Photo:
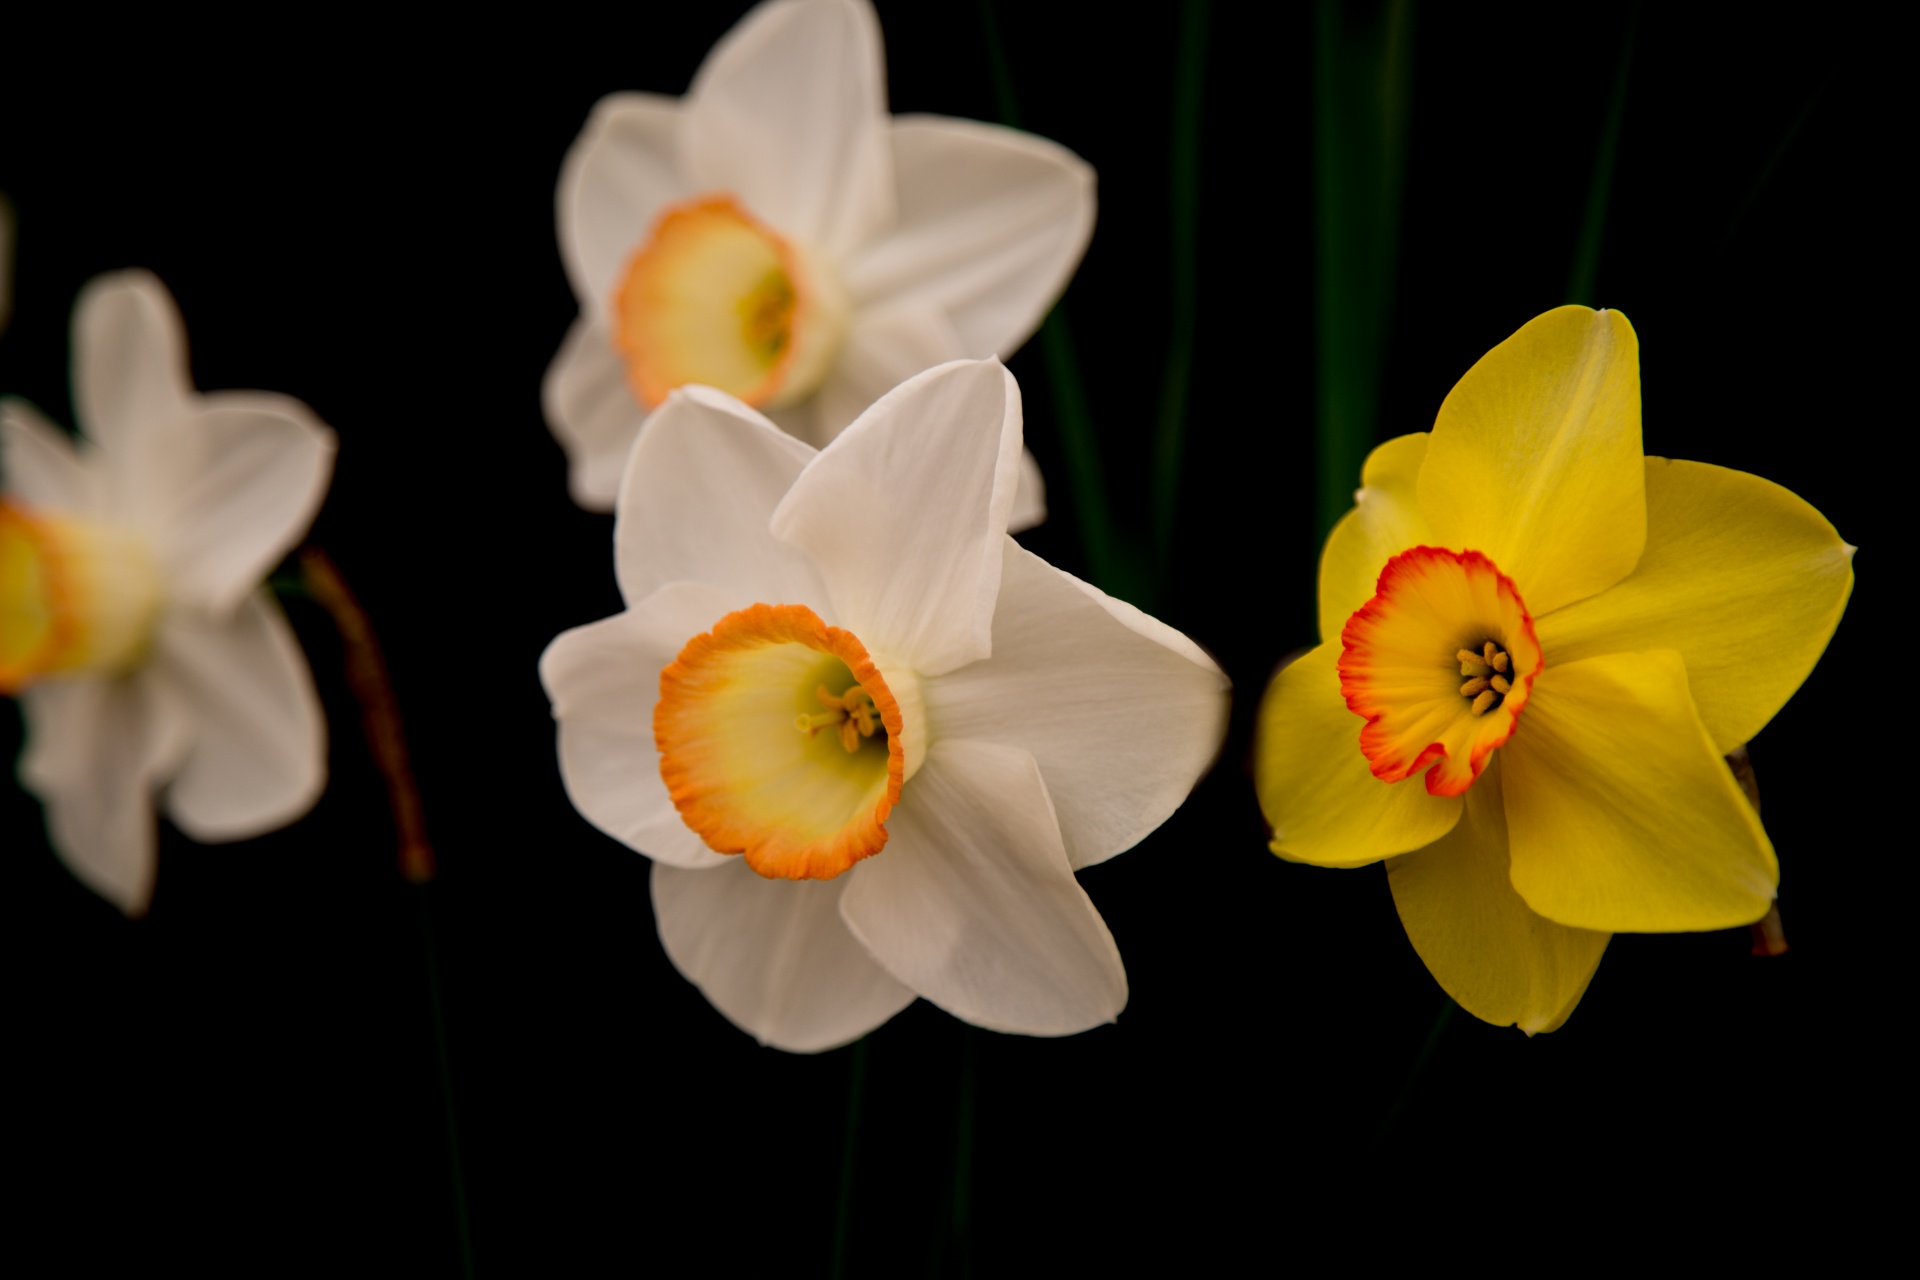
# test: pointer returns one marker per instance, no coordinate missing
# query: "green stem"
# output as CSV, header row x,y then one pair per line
x,y
1439,1029
1593,224
446,1081
1766,170
1362,80
1085,476
843,1215
1169,441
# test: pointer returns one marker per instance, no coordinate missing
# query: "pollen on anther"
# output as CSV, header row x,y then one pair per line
x,y
1484,701
1473,686
1500,684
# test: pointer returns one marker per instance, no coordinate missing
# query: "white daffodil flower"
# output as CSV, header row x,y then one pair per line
x,y
147,658
777,235
865,737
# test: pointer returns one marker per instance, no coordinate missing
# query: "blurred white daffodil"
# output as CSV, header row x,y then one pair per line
x,y
865,737
147,658
777,235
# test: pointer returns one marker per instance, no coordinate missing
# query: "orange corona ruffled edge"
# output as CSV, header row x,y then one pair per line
x,y
690,677
63,625
1377,742
653,388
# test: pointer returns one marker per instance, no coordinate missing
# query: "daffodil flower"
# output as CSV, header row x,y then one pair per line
x,y
147,658
865,737
1550,643
777,235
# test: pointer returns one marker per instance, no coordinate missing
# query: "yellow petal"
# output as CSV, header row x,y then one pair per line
x,y
1324,804
1740,576
1621,813
1502,961
1535,458
1385,520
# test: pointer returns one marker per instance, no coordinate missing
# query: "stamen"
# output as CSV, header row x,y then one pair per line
x,y
1486,700
853,711
1501,685
1501,662
1474,686
1488,654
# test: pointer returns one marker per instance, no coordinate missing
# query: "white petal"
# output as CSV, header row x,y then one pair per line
x,y
603,680
97,750
882,348
1030,498
789,113
259,755
592,412
773,955
130,379
904,514
242,477
618,174
700,488
38,462
1123,713
973,905
992,223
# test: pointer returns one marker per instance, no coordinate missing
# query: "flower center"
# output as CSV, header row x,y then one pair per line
x,y
799,805
715,296
1435,617
1489,674
76,598
853,711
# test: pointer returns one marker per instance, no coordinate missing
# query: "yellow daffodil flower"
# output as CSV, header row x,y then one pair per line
x,y
777,235
865,737
1537,646
147,658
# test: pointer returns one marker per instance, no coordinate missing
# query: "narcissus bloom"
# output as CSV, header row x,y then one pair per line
x,y
777,235
1550,643
864,736
148,659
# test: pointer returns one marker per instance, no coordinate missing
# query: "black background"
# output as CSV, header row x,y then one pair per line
x,y
361,215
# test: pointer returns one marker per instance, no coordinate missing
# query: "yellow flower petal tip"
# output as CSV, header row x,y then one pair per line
x,y
715,296
780,739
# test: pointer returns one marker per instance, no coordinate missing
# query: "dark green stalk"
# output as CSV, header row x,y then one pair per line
x,y
1420,1061
1593,224
1766,170
843,1215
1085,475
1362,81
952,1252
1170,439
422,890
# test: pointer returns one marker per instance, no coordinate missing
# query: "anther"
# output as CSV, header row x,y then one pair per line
x,y
1489,653
1486,699
1501,685
1474,686
1501,662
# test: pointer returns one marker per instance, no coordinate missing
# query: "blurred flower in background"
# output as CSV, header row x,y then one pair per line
x,y
1560,640
912,731
776,235
148,659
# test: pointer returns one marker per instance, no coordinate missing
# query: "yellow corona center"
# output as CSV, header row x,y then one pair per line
x,y
715,296
76,598
1440,662
781,740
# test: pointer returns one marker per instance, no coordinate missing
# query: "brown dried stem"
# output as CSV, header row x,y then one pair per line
x,y
379,711
1769,935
